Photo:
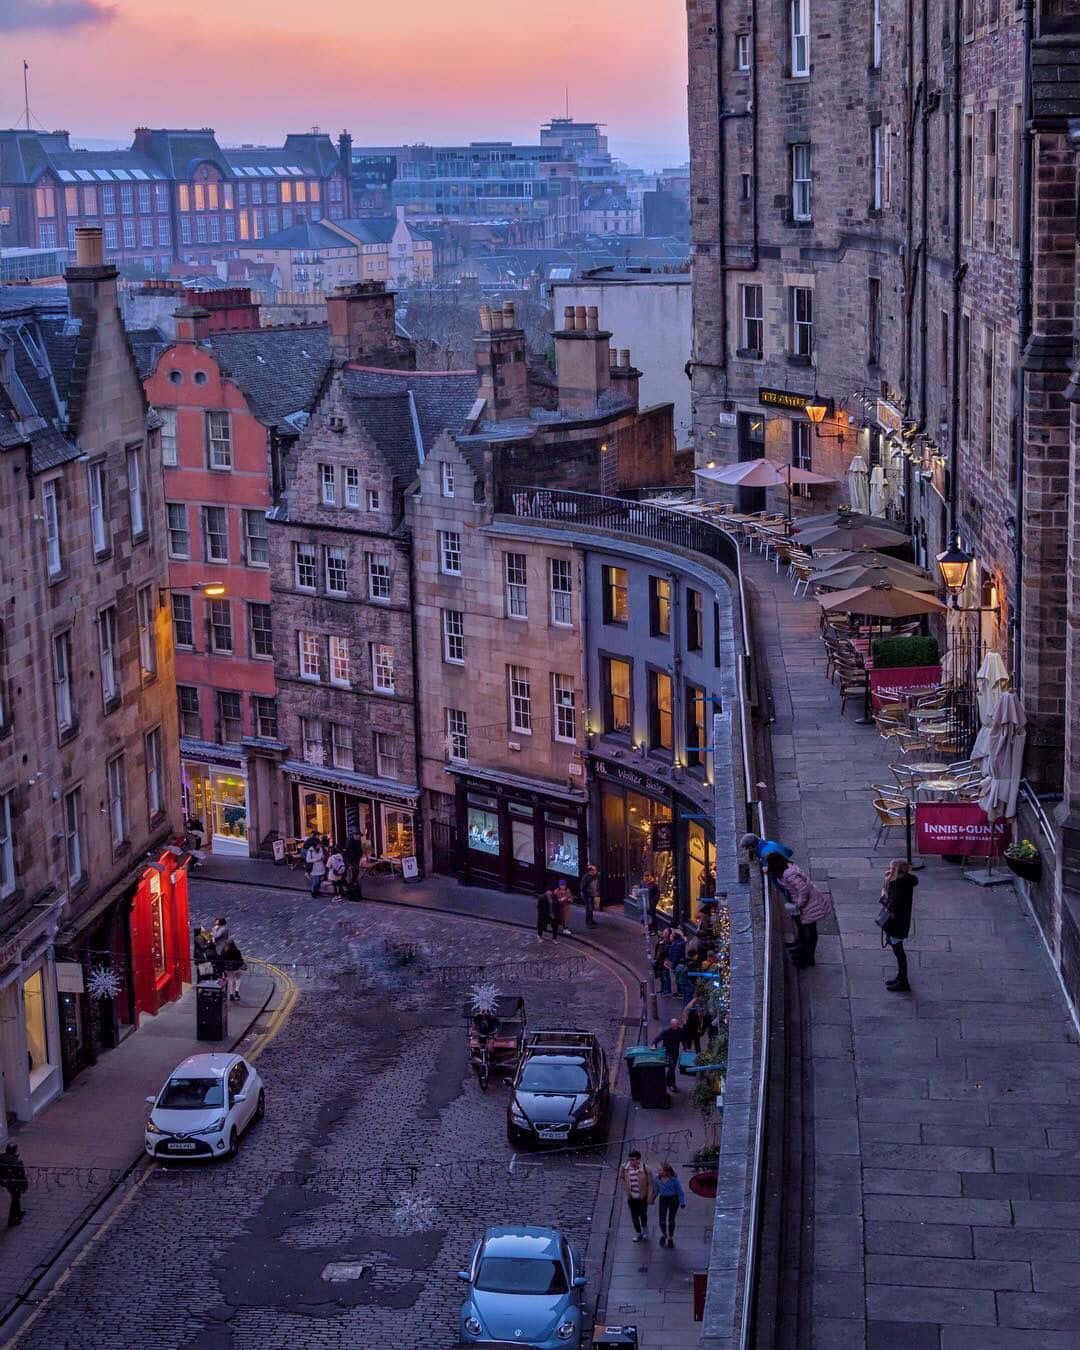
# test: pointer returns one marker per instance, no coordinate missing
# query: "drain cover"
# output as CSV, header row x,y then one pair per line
x,y
338,1272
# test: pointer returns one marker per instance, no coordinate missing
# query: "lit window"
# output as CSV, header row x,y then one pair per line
x,y
616,595
309,645
564,707
694,621
659,607
661,723
450,552
562,614
517,596
695,726
339,661
520,700
382,667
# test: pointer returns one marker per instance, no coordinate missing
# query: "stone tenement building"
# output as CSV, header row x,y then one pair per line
x,y
88,762
884,218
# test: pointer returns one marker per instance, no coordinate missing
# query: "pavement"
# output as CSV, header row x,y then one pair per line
x,y
945,1122
87,1142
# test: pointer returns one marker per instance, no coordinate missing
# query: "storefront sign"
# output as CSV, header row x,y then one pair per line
x,y
959,828
727,419
279,850
888,417
69,977
663,836
409,869
620,773
889,684
783,398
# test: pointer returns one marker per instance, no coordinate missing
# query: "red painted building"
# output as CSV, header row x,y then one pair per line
x,y
229,403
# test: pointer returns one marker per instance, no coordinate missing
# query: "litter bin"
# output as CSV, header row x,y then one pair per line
x,y
211,1011
604,1336
648,1076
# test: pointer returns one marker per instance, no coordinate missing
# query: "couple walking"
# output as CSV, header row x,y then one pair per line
x,y
641,1190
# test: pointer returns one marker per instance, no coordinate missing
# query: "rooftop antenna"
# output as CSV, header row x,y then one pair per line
x,y
26,92
567,104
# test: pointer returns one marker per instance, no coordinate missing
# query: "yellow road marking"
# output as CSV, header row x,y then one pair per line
x,y
277,1021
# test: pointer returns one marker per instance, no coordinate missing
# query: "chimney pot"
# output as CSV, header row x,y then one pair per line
x,y
508,313
485,318
568,319
613,357
593,319
89,246
624,357
579,318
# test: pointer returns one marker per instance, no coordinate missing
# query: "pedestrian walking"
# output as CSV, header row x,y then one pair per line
x,y
233,968
354,859
661,966
894,918
335,871
590,894
14,1180
638,1185
652,899
543,915
807,903
203,947
563,898
219,934
315,862
671,1198
671,1039
313,840
692,1026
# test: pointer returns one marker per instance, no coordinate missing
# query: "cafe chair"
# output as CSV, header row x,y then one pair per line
x,y
889,818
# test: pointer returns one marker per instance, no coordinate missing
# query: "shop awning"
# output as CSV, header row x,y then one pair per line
x,y
382,788
519,781
190,748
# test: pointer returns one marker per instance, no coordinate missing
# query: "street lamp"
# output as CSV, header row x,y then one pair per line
x,y
954,565
816,411
213,590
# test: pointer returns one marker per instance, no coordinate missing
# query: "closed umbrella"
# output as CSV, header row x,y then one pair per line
x,y
882,601
859,484
991,680
1004,757
851,534
877,490
864,574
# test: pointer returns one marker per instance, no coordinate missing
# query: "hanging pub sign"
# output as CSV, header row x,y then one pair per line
x,y
785,398
663,836
959,829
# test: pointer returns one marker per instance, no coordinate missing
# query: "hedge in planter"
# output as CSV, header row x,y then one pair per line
x,y
906,651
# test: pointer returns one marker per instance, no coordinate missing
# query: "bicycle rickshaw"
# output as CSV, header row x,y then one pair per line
x,y
496,1025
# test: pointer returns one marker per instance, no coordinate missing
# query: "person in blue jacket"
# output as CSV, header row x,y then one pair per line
x,y
671,1199
762,849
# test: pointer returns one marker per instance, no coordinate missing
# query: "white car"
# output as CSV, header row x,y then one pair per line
x,y
205,1106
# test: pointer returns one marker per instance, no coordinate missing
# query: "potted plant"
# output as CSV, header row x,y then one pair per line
x,y
1023,860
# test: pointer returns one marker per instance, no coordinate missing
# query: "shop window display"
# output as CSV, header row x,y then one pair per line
x,y
397,833
484,830
561,847
37,1039
315,812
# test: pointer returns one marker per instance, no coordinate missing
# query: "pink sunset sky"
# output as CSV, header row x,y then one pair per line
x,y
440,71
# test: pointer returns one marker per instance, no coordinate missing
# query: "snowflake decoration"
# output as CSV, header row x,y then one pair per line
x,y
414,1213
484,998
103,983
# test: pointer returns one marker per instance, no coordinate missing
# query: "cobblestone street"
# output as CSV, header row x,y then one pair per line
x,y
349,1210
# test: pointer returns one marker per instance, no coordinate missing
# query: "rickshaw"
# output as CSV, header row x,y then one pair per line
x,y
496,1025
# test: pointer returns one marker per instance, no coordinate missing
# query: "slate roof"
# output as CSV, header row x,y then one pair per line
x,y
16,299
306,234
147,344
388,418
279,369
370,229
26,155
442,398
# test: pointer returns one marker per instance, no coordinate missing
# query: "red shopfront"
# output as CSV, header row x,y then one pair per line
x,y
160,935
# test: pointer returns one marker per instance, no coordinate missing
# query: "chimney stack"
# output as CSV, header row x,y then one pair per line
x,y
192,323
626,376
89,246
501,366
583,360
363,328
91,281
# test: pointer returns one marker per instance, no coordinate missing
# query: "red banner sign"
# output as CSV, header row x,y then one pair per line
x,y
959,828
890,683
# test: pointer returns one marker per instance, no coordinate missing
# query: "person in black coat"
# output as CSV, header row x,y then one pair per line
x,y
897,894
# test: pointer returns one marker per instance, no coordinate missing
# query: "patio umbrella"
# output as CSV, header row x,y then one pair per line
x,y
864,557
859,484
851,534
991,680
882,601
835,515
763,473
1004,758
877,490
868,574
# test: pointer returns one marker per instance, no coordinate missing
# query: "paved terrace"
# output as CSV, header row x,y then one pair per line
x,y
945,1122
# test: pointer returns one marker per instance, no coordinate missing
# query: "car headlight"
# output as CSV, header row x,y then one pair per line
x,y
473,1327
517,1115
151,1128
213,1127
586,1122
565,1330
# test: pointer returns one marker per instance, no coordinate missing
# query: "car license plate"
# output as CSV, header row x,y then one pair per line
x,y
178,1144
556,1134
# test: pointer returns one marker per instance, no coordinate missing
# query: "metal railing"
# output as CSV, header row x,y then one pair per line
x,y
660,525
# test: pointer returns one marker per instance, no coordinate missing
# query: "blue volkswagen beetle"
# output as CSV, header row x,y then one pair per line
x,y
524,1289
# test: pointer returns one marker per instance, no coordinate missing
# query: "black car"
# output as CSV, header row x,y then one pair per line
x,y
561,1093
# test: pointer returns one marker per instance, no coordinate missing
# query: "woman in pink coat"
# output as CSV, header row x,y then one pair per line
x,y
807,902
